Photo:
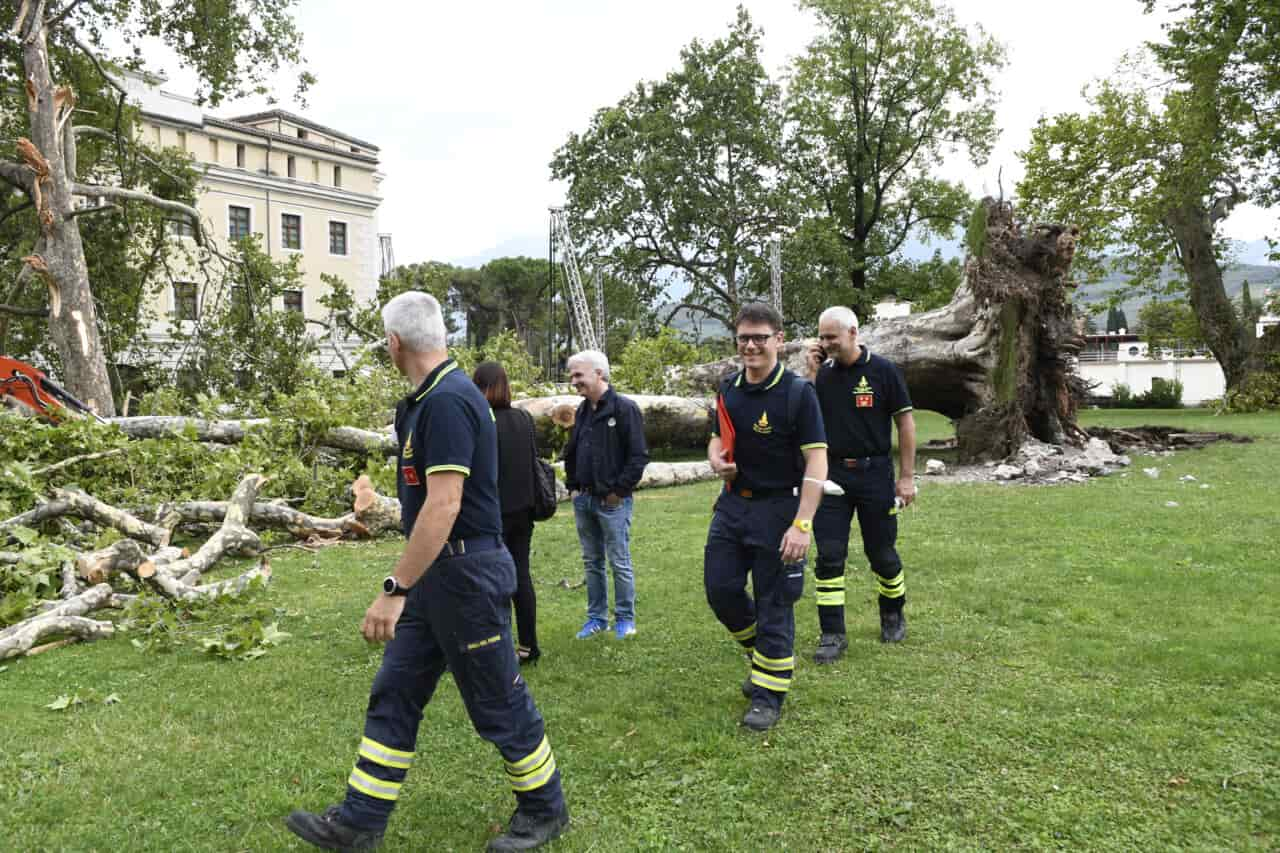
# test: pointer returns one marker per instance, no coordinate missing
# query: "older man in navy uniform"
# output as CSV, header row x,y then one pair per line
x,y
446,605
863,396
774,473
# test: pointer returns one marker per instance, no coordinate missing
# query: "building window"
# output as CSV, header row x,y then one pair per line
x,y
293,167
238,217
337,238
315,171
337,176
291,231
240,155
293,300
302,134
355,150
180,227
182,140
213,151
186,304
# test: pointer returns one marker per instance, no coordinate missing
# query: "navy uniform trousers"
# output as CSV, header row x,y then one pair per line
x,y
744,538
868,492
458,616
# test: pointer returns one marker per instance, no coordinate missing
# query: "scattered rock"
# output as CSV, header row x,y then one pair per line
x,y
1187,478
1032,468
1153,473
935,466
1170,503
1007,472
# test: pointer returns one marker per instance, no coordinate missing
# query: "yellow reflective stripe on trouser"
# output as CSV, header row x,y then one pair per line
x,y
386,756
895,587
829,591
746,633
775,664
770,682
534,770
373,786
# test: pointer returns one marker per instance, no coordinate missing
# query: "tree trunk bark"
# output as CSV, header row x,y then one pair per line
x,y
669,421
59,256
1230,339
234,431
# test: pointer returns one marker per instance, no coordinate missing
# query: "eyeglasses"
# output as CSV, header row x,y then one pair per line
x,y
758,340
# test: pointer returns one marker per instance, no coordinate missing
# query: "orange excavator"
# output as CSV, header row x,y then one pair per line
x,y
29,386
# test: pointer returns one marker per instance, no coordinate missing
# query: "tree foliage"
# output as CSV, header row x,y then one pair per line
x,y
882,96
1165,155
679,181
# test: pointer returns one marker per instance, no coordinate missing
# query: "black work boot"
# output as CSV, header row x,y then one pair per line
x,y
761,717
328,833
830,648
893,625
525,832
747,688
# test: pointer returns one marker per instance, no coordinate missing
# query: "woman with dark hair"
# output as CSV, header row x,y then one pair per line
x,y
517,448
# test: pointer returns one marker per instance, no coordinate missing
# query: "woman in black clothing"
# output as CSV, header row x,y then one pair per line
x,y
517,448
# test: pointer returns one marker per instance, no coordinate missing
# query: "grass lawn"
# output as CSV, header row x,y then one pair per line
x,y
1087,668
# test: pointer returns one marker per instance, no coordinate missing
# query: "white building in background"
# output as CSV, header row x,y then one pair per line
x,y
890,308
1124,359
308,190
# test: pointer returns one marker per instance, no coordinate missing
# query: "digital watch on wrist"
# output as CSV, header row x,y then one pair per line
x,y
391,586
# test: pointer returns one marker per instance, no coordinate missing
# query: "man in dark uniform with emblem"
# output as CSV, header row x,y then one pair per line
x,y
862,397
446,605
769,447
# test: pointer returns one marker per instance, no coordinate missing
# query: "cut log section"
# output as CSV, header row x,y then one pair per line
x,y
124,555
31,632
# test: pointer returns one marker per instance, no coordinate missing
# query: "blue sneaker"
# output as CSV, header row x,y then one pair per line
x,y
625,628
592,627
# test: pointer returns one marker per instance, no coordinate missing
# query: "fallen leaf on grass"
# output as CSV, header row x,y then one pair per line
x,y
113,699
1178,781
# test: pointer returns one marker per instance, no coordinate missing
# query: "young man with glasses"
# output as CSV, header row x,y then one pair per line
x,y
769,447
862,396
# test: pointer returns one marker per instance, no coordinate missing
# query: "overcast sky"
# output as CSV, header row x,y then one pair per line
x,y
468,101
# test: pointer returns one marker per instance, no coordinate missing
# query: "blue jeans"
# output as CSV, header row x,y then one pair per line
x,y
606,532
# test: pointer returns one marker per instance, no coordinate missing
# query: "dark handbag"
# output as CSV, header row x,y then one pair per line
x,y
544,482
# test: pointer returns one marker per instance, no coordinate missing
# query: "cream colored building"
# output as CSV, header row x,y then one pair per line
x,y
306,189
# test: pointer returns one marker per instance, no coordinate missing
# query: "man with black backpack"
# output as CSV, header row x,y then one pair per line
x,y
769,446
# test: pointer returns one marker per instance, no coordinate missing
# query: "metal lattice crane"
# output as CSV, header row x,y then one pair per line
x,y
775,274
601,328
579,306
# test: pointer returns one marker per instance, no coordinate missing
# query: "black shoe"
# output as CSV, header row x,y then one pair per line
x,y
760,718
327,832
830,648
893,626
525,832
747,691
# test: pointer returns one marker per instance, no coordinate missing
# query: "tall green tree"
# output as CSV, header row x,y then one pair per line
x,y
233,46
1165,156
882,96
679,182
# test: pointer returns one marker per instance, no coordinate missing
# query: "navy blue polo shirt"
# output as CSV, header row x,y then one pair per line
x,y
447,425
858,404
767,444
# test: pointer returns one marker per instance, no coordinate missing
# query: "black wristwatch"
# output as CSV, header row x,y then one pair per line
x,y
391,586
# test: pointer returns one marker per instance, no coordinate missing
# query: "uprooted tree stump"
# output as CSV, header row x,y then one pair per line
x,y
998,359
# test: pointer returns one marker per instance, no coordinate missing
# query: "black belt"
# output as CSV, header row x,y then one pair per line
x,y
757,494
470,545
855,462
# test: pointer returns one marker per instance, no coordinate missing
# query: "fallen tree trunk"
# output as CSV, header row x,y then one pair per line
x,y
90,508
668,421
998,359
31,632
96,567
234,432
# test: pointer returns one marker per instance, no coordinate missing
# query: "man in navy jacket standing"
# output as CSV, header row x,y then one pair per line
x,y
603,462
